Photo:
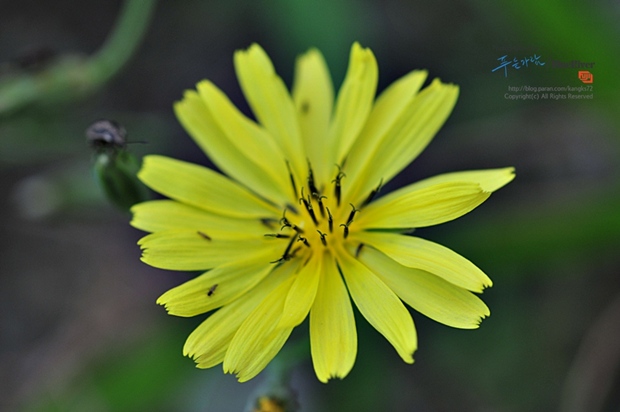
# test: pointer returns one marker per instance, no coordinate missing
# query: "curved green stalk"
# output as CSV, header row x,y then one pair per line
x,y
71,77
127,34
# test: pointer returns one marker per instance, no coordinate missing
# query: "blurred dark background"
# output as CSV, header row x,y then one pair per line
x,y
80,330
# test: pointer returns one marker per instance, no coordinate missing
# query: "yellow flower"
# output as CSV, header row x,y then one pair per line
x,y
295,229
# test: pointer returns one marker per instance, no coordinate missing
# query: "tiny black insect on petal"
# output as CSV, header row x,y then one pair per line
x,y
304,108
211,290
204,235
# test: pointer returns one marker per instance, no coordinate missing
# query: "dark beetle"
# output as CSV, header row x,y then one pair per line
x,y
106,135
115,167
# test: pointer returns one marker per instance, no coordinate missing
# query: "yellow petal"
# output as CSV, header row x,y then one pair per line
x,y
428,294
249,139
301,296
313,95
388,108
208,343
489,180
333,337
159,215
271,103
190,250
407,137
425,255
216,287
202,187
380,306
233,152
354,101
410,207
273,344
258,340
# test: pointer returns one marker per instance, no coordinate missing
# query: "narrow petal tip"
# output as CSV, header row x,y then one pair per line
x,y
162,302
488,283
407,353
362,53
497,178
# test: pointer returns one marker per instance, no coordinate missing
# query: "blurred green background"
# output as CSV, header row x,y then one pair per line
x,y
80,330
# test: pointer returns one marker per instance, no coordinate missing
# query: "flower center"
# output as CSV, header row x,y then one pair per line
x,y
319,222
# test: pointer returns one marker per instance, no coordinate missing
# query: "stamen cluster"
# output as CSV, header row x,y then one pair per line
x,y
316,229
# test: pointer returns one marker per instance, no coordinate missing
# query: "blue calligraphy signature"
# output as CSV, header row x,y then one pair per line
x,y
517,63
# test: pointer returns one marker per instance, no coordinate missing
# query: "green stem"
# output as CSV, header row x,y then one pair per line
x,y
72,77
127,34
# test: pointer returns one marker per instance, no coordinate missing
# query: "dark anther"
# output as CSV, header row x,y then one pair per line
x,y
352,214
269,222
346,230
288,247
319,200
285,224
211,290
344,162
313,190
303,239
311,212
336,181
305,107
293,253
277,235
322,238
285,255
204,235
283,219
308,260
308,204
372,194
359,249
294,227
330,219
290,173
302,199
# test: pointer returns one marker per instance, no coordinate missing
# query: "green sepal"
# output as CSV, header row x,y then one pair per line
x,y
117,174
